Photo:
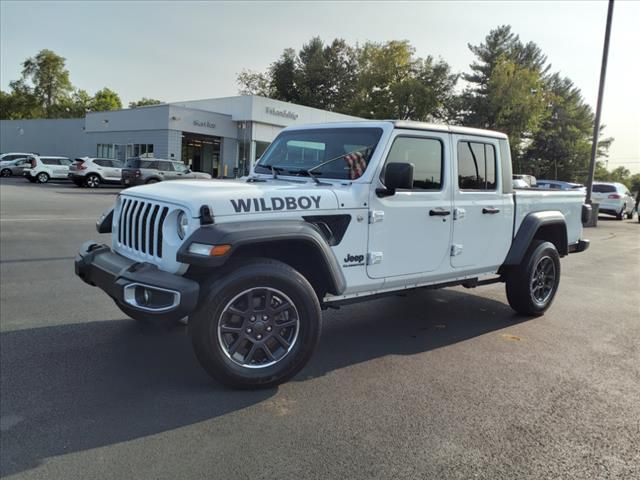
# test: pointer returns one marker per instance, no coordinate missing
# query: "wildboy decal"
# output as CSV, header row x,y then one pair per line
x,y
275,204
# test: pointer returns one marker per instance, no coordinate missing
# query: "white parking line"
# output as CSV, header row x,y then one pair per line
x,y
47,219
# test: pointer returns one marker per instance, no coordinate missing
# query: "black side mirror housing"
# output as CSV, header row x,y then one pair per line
x,y
396,176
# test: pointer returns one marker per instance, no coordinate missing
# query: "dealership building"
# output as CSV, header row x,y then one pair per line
x,y
221,136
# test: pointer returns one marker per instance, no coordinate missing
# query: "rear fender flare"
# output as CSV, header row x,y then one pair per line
x,y
529,227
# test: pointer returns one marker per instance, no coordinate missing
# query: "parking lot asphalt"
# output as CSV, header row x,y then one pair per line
x,y
436,384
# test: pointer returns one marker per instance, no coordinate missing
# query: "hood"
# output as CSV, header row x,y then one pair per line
x,y
237,197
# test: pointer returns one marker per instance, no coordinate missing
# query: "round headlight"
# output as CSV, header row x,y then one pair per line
x,y
183,225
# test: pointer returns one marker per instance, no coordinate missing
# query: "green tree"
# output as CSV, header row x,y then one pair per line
x,y
105,100
19,103
50,79
561,147
505,89
144,102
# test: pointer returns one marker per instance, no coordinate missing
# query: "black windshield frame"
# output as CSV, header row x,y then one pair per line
x,y
330,143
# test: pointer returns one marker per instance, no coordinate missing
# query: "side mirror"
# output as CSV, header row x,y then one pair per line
x,y
396,176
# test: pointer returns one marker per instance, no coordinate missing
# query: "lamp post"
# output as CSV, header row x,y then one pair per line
x,y
596,124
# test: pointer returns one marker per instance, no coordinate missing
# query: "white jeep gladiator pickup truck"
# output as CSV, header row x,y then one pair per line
x,y
332,214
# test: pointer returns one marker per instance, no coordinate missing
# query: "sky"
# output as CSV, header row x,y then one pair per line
x,y
187,50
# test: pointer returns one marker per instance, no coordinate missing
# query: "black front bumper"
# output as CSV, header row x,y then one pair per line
x,y
100,267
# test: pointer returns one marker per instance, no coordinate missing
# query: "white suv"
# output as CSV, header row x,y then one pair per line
x,y
45,168
614,199
91,172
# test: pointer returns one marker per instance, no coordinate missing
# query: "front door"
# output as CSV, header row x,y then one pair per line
x,y
410,232
483,224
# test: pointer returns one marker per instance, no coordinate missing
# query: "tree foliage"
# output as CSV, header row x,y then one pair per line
x,y
144,102
45,91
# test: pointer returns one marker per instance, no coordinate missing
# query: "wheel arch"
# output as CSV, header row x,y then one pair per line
x,y
550,226
294,242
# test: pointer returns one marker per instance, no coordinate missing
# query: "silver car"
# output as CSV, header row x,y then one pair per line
x,y
15,167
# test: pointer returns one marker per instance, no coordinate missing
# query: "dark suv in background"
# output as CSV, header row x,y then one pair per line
x,y
138,171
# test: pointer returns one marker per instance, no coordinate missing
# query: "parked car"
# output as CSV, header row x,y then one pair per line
x,y
560,185
332,214
138,171
614,199
14,167
91,172
44,168
520,183
530,179
9,156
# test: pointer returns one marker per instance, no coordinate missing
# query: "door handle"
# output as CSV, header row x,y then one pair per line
x,y
490,210
439,212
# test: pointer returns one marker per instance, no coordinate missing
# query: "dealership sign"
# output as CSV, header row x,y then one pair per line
x,y
282,113
207,124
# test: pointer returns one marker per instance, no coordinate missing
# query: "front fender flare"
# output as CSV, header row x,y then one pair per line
x,y
239,234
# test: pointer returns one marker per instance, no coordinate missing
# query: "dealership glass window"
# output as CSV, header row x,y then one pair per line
x,y
105,150
476,166
143,150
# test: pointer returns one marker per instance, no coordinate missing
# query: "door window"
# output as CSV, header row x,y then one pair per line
x,y
180,167
425,154
476,166
165,166
50,161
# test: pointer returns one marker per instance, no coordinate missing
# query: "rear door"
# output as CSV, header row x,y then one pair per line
x,y
62,169
483,214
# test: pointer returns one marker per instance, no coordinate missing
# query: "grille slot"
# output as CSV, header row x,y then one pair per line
x,y
140,225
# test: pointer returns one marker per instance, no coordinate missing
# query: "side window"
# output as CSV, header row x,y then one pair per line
x,y
476,166
65,161
50,161
117,164
425,154
165,166
100,163
179,167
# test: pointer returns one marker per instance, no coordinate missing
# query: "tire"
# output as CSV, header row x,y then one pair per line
x,y
31,179
235,337
532,286
5,172
152,180
42,177
92,181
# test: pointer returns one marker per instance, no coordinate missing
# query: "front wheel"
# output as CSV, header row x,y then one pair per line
x,y
257,325
532,285
5,172
43,177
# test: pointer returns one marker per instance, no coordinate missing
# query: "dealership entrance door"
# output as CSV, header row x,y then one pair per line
x,y
202,153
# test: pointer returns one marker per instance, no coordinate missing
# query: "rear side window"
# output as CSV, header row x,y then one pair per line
x,y
476,166
425,154
604,188
50,161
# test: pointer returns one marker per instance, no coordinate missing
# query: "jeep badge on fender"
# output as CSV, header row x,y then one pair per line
x,y
252,262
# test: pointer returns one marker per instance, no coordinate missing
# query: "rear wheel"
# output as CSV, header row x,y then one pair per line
x,y
43,177
5,172
532,286
257,326
152,180
92,181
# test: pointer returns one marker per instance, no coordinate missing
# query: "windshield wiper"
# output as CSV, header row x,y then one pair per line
x,y
274,170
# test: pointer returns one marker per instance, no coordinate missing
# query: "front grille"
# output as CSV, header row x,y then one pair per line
x,y
140,226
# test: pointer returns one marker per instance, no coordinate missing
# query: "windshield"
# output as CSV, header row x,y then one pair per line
x,y
295,152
